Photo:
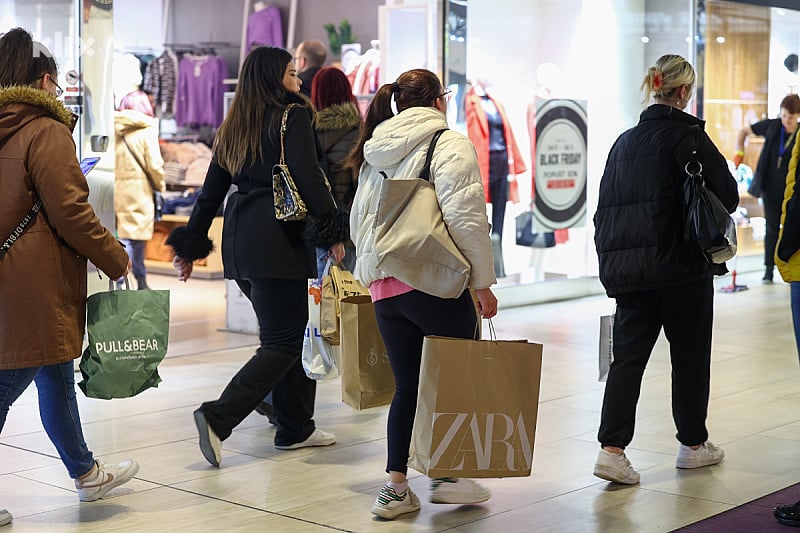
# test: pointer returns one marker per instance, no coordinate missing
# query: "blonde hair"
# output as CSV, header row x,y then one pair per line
x,y
669,72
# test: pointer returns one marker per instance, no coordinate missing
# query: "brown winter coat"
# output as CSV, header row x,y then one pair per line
x,y
43,276
133,191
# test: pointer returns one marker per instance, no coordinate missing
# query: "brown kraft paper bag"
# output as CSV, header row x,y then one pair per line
x,y
335,286
477,408
367,379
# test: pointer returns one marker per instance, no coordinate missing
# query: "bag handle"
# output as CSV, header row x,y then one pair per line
x,y
694,162
283,131
426,170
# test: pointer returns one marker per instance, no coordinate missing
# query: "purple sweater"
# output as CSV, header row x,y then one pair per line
x,y
264,28
200,91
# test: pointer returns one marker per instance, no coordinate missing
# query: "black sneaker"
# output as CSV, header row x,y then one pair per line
x,y
265,409
767,279
788,515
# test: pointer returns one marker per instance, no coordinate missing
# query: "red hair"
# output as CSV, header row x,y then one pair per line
x,y
330,87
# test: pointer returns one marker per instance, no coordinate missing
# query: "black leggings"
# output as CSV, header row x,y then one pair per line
x,y
498,189
404,321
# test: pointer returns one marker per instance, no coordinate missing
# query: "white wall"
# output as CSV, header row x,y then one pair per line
x,y
138,24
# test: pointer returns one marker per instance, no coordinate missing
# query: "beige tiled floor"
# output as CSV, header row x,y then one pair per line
x,y
754,415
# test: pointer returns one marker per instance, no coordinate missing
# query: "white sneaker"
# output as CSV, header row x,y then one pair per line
x,y
457,490
706,455
5,517
390,505
103,478
210,445
318,438
615,468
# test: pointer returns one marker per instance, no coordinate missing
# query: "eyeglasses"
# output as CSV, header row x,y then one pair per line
x,y
59,90
447,95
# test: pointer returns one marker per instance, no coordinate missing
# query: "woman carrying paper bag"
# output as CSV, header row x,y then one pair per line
x,y
401,123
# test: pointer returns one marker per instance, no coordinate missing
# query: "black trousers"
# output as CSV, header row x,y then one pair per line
x,y
403,322
686,313
498,188
772,215
282,310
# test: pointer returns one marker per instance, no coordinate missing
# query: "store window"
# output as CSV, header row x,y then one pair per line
x,y
748,56
569,70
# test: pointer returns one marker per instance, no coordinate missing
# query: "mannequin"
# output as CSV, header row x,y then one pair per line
x,y
499,158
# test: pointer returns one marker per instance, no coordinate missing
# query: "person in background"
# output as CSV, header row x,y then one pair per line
x,y
270,260
138,172
309,57
338,126
43,273
659,279
399,126
769,179
788,262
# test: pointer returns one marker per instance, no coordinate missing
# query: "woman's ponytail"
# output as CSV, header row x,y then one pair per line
x,y
22,60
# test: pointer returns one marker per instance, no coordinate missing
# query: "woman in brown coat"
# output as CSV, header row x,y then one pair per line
x,y
43,273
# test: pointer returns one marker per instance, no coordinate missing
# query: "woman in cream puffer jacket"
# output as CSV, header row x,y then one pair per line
x,y
400,123
398,147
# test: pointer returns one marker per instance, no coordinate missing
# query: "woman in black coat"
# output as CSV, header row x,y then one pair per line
x,y
269,259
658,279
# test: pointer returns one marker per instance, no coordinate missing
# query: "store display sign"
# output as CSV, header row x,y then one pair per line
x,y
560,178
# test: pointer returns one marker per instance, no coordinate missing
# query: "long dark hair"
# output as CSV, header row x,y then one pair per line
x,y
413,88
23,61
260,88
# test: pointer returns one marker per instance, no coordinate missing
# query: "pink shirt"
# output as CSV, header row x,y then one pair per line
x,y
380,289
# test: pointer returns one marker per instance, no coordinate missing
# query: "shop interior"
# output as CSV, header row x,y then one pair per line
x,y
592,75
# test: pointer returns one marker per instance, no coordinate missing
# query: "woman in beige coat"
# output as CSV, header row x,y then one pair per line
x,y
43,274
139,171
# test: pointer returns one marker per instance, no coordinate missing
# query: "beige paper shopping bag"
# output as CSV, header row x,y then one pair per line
x,y
367,379
335,286
477,408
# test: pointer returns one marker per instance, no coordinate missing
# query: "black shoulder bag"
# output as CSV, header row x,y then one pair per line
x,y
707,223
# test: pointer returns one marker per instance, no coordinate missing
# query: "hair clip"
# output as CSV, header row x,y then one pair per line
x,y
393,105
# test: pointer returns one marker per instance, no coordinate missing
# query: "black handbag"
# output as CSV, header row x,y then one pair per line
x,y
527,237
707,223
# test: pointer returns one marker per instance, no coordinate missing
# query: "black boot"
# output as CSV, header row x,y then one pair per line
x,y
788,515
767,279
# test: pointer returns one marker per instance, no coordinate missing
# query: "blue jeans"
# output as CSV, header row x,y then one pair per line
x,y
58,409
795,299
348,263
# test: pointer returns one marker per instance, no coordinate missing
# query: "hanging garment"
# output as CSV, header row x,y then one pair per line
x,y
264,28
159,81
200,91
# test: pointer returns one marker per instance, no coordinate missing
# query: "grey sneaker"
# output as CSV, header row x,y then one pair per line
x,y
210,445
5,517
457,490
318,438
390,505
706,455
615,468
103,478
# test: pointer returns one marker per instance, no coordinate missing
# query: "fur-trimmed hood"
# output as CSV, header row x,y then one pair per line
x,y
20,104
338,117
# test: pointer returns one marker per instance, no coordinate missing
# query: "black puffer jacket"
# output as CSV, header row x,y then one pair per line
x,y
255,245
639,219
338,127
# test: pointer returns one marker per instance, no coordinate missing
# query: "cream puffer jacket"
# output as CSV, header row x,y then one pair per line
x,y
398,147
